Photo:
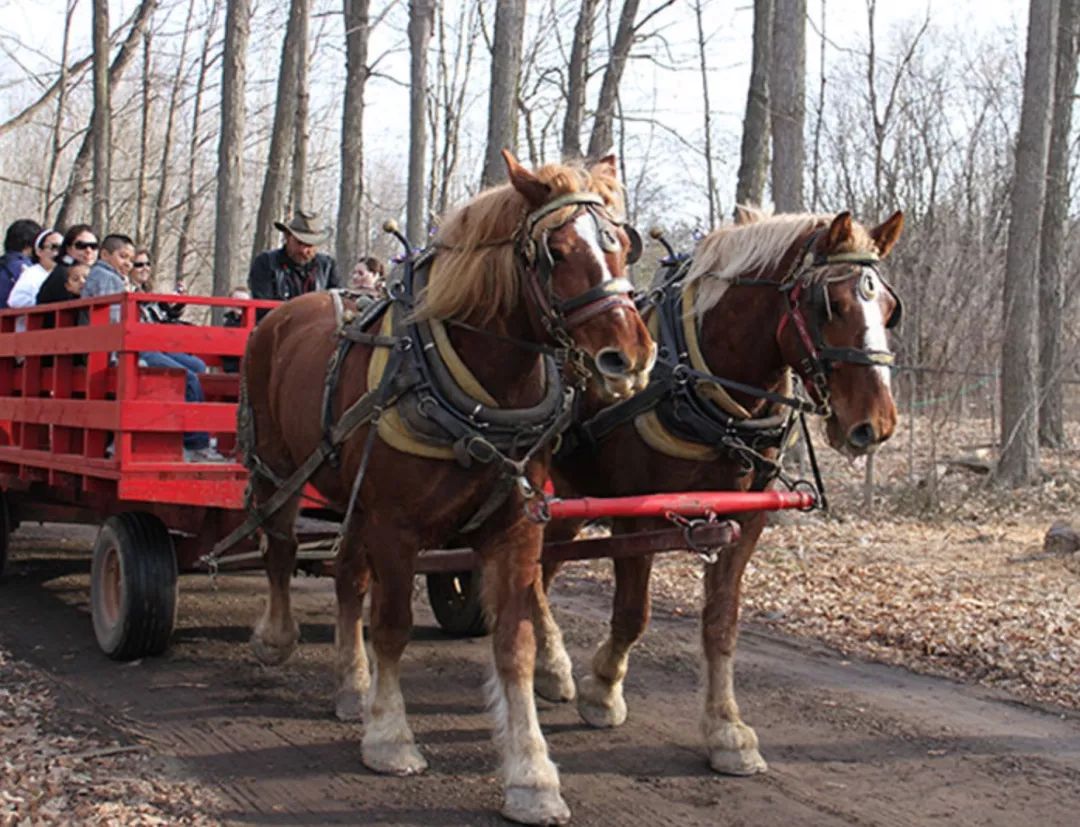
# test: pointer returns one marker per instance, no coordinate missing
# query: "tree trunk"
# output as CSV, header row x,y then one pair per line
x,y
76,188
229,212
421,14
166,150
577,77
754,157
283,131
303,101
710,177
61,99
1019,357
144,140
101,121
1052,261
188,220
505,75
602,139
787,103
351,195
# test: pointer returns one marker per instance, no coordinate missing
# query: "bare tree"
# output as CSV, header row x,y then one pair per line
x,y
754,157
421,13
787,103
183,243
1052,259
602,138
351,194
61,100
230,193
710,176
303,102
284,129
577,76
76,188
101,123
144,136
1019,356
503,98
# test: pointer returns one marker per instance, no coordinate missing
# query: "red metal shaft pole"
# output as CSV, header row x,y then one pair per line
x,y
696,504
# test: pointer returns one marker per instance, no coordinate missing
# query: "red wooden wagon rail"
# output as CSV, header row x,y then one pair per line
x,y
88,435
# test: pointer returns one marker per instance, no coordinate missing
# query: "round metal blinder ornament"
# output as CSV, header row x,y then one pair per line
x,y
868,286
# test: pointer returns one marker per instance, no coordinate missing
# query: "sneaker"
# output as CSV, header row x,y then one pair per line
x,y
208,454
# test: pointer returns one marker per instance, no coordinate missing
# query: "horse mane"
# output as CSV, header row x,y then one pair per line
x,y
475,273
756,244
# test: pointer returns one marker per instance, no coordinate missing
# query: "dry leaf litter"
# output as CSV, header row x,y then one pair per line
x,y
954,585
53,773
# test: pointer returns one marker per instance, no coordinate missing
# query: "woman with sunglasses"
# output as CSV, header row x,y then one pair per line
x,y
80,246
47,247
141,278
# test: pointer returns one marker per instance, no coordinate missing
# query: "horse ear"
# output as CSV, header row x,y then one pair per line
x,y
746,214
609,165
886,233
839,232
535,191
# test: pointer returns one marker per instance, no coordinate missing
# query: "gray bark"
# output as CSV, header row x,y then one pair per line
x,y
351,195
577,76
505,76
283,132
61,100
421,14
602,138
710,177
787,103
1019,463
230,194
77,183
144,138
754,156
303,100
188,221
101,122
1052,261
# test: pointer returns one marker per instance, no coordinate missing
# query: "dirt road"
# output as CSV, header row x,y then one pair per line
x,y
847,742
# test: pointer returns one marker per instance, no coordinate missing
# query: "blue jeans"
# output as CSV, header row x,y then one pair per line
x,y
193,392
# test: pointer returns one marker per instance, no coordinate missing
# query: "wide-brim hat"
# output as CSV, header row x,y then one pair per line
x,y
306,227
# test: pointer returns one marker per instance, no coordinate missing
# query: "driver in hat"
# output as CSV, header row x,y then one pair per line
x,y
296,267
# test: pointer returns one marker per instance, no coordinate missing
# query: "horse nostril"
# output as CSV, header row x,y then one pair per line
x,y
612,362
862,436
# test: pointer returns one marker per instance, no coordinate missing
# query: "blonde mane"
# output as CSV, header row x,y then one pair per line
x,y
756,244
475,273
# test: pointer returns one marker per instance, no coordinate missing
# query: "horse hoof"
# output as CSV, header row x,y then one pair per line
x,y
271,654
737,762
530,805
349,705
602,711
553,686
393,758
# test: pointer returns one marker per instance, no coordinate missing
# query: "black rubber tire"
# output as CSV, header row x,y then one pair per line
x,y
457,603
5,531
133,587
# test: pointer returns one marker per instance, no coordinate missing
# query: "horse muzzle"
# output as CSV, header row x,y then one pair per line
x,y
621,376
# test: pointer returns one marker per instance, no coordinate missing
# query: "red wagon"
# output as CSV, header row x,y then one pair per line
x,y
88,435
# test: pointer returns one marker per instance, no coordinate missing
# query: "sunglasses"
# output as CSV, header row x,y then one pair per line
x,y
56,248
139,265
85,245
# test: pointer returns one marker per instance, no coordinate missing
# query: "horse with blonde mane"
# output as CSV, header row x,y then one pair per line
x,y
464,374
759,300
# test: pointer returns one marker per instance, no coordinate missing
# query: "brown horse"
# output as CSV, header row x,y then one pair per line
x,y
790,292
532,266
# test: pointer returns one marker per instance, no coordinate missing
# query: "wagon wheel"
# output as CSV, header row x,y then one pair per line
x,y
457,603
133,586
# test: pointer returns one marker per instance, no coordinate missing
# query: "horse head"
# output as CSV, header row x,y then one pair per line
x,y
835,331
575,249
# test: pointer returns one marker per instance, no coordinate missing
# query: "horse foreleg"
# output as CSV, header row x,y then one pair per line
x,y
600,696
351,580
388,745
276,632
511,587
553,678
732,745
